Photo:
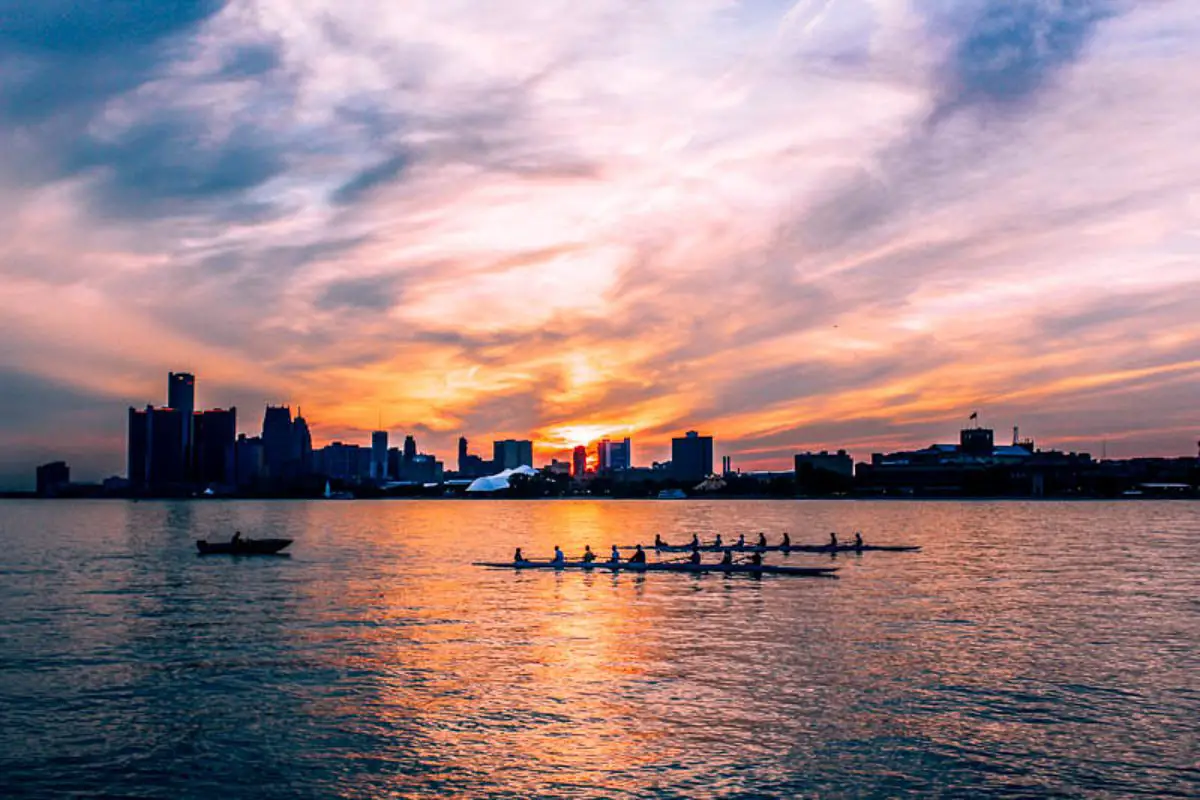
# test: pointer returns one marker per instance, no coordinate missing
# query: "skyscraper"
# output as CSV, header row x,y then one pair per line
x,y
277,443
512,453
302,449
379,448
579,461
214,433
139,437
612,456
462,454
181,395
692,457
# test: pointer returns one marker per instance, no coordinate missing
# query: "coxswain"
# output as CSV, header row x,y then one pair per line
x,y
858,539
727,559
787,540
833,539
518,557
559,558
695,540
741,540
616,555
762,539
638,557
588,555
658,542
695,556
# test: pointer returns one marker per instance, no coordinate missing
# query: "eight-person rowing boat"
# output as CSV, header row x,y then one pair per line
x,y
785,546
666,566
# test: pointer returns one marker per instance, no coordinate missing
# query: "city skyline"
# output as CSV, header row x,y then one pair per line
x,y
797,226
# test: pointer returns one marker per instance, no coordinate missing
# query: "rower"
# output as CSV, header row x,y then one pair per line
x,y
787,540
762,539
717,541
638,557
756,558
236,541
517,557
658,542
588,555
695,556
615,556
858,539
559,558
741,540
833,539
695,540
727,559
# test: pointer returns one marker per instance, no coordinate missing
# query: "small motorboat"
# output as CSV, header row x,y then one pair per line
x,y
242,547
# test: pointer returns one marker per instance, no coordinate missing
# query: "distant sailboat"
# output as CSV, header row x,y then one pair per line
x,y
328,492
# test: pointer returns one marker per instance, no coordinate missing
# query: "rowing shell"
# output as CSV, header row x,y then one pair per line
x,y
779,548
625,566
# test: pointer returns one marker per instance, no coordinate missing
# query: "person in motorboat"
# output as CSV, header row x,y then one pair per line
x,y
833,539
727,559
615,556
236,541
638,557
694,558
762,539
858,539
588,555
518,557
658,542
559,558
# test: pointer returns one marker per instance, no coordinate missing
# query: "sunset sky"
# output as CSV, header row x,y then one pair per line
x,y
793,225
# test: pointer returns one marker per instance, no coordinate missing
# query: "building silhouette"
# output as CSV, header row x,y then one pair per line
x,y
839,463
613,456
52,478
181,395
379,448
302,448
579,461
249,461
277,444
512,453
156,454
214,433
691,456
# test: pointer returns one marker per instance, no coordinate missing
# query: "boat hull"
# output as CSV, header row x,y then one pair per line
x,y
778,548
624,566
246,547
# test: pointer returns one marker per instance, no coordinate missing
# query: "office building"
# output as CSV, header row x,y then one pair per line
x,y
379,448
214,434
249,459
52,478
839,463
512,453
139,438
410,448
579,461
302,449
613,456
181,395
692,457
277,443
156,456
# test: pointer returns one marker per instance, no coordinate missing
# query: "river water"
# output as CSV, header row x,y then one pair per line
x,y
1030,649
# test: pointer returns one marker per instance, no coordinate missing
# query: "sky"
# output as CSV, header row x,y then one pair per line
x,y
792,225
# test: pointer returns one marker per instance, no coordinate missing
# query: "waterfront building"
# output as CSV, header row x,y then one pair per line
x,y
52,478
512,453
155,452
691,456
379,448
181,395
579,462
249,461
214,432
613,456
301,455
277,443
839,463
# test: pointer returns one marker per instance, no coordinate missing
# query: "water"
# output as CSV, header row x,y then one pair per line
x,y
1031,649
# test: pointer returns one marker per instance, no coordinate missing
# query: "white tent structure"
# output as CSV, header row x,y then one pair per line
x,y
494,483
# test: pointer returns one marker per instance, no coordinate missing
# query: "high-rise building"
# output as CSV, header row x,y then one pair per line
x,y
214,434
613,456
277,443
692,456
579,461
512,453
139,444
156,458
462,454
181,395
379,448
302,449
52,478
249,460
